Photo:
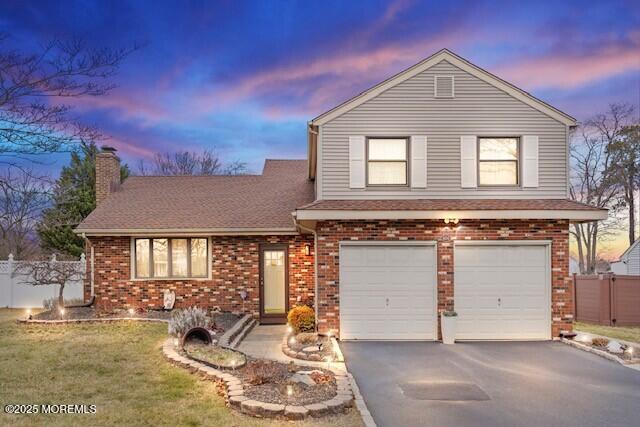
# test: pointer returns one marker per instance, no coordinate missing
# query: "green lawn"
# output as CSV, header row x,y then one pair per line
x,y
626,333
117,367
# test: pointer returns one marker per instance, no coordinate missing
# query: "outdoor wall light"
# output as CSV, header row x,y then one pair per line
x,y
307,249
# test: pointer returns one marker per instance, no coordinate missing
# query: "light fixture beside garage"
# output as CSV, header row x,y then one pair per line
x,y
307,249
452,220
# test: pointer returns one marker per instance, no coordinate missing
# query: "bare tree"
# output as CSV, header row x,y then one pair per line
x,y
594,181
23,196
190,163
34,119
50,272
626,164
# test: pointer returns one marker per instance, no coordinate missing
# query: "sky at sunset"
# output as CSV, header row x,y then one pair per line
x,y
245,77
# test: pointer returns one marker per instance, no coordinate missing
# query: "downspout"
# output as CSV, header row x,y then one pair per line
x,y
315,264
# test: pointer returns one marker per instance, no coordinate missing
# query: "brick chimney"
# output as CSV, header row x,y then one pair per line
x,y
107,173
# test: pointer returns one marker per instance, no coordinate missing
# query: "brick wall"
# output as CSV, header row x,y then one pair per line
x,y
235,268
330,233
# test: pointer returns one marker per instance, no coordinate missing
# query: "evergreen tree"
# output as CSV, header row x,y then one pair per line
x,y
74,197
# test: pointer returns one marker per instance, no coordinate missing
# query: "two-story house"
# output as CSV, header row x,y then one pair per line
x,y
443,187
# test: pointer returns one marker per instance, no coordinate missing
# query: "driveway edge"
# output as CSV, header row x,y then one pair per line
x,y
367,419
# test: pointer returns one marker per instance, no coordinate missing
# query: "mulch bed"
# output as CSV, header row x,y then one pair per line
x,y
222,320
278,377
92,313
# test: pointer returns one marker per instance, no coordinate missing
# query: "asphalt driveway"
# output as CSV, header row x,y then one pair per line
x,y
492,384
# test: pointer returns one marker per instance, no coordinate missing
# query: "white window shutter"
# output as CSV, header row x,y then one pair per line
x,y
356,162
418,161
529,161
468,161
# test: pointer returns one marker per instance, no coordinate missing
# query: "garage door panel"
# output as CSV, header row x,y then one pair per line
x,y
387,292
502,291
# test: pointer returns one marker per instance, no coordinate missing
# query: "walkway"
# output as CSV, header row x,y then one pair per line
x,y
265,341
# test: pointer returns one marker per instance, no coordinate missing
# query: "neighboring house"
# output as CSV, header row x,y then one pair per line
x,y
629,262
441,188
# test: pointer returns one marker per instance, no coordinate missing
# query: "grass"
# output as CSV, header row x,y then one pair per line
x,y
626,333
117,367
215,355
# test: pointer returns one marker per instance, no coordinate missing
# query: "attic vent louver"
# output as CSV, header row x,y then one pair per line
x,y
444,86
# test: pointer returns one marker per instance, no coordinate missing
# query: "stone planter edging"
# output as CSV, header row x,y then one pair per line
x,y
98,320
600,353
236,399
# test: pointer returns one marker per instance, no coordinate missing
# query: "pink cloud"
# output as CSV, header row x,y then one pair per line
x,y
567,70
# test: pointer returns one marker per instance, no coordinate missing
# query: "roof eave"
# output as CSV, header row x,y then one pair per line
x,y
194,232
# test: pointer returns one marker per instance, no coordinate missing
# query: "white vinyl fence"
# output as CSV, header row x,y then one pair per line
x,y
14,293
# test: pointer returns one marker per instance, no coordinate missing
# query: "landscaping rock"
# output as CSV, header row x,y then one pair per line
x,y
235,393
310,349
302,379
615,347
295,412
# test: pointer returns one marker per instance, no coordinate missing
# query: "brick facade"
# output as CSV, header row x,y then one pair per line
x,y
235,263
330,233
107,175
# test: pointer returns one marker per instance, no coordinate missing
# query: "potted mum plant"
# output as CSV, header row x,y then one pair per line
x,y
448,325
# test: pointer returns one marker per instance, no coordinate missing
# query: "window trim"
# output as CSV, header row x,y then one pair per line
x,y
406,161
189,276
517,161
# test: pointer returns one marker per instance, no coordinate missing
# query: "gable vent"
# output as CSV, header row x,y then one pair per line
x,y
444,86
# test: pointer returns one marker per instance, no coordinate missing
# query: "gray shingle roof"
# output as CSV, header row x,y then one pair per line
x,y
206,203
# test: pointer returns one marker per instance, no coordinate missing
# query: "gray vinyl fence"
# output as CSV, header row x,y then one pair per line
x,y
14,293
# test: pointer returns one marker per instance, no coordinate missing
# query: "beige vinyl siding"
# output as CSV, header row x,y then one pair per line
x,y
410,108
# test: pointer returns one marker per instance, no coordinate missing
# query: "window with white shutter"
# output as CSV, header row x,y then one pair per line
x,y
530,159
468,161
418,161
356,162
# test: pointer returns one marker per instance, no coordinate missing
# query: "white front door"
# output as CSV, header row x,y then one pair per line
x,y
502,291
387,291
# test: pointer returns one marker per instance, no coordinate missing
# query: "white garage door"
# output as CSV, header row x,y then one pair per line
x,y
502,292
387,292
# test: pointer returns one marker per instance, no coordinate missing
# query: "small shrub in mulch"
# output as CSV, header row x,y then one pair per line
x,y
599,342
275,382
302,318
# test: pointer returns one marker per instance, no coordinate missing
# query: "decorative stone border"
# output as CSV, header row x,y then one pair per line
x,y
237,400
600,353
97,320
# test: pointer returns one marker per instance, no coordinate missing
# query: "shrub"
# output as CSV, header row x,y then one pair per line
x,y
185,319
600,342
262,372
302,319
307,338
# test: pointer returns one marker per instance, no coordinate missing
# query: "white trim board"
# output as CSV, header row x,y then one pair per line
x,y
575,215
463,64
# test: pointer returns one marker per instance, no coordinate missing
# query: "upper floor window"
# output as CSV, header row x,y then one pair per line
x,y
387,161
171,258
498,161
